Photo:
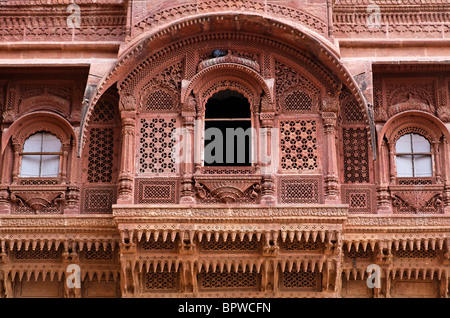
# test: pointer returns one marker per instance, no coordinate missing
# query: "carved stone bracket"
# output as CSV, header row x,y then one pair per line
x,y
421,200
38,200
227,189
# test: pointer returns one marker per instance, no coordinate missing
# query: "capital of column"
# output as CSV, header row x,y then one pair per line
x,y
329,122
127,102
188,118
267,120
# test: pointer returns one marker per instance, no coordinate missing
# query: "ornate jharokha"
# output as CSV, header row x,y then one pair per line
x,y
224,149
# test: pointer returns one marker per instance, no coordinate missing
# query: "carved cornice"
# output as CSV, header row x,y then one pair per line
x,y
55,222
388,223
337,211
10,3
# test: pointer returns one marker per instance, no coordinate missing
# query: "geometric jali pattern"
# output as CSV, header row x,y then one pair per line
x,y
298,143
156,191
97,200
100,160
156,145
239,279
358,199
300,190
356,156
300,279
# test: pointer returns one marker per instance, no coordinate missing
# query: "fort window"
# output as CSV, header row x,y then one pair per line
x,y
41,156
228,132
413,156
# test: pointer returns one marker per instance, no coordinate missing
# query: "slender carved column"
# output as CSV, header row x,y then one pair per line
x,y
392,168
268,154
17,148
126,175
65,153
383,197
446,175
199,129
331,177
437,161
186,155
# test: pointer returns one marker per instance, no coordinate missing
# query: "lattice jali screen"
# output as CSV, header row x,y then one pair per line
x,y
297,245
414,181
158,246
38,181
300,280
360,200
351,111
229,246
297,101
160,281
98,199
159,99
156,145
229,280
104,111
360,254
298,143
156,191
356,155
100,155
300,190
415,253
99,255
227,170
38,254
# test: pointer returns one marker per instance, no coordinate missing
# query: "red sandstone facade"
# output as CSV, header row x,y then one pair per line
x,y
347,89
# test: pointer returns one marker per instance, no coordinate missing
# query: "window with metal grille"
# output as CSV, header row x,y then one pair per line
x,y
228,135
413,156
41,156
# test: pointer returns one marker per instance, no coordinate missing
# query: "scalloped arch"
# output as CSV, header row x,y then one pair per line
x,y
39,121
433,127
246,78
300,38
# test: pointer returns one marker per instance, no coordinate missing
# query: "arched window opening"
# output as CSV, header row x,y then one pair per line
x,y
41,156
413,156
228,133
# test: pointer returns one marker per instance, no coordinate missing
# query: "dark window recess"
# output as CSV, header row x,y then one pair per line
x,y
228,133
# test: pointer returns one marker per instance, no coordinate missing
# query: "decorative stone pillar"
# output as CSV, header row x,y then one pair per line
x,y
186,161
446,174
126,174
437,161
5,205
73,199
383,197
267,154
65,153
331,176
199,129
17,148
392,167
